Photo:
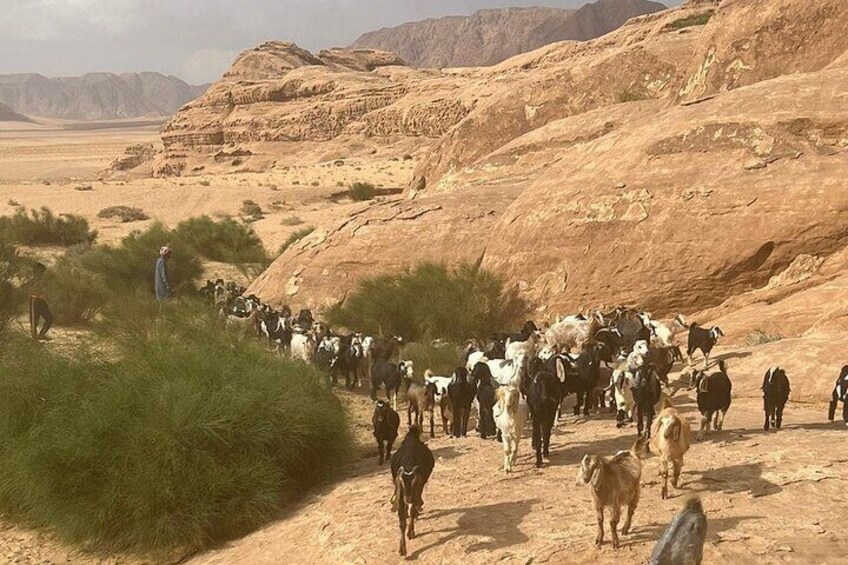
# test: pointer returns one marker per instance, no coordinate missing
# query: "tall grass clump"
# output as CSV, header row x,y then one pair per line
x,y
76,295
431,301
13,269
180,438
227,241
43,227
442,359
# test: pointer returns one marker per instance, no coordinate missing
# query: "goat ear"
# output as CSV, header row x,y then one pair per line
x,y
597,475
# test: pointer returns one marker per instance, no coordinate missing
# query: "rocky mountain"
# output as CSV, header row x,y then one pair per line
x,y
96,96
9,115
691,156
488,37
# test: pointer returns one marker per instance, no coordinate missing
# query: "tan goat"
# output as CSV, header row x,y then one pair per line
x,y
615,482
670,439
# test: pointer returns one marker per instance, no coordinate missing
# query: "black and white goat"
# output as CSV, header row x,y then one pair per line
x,y
412,465
713,395
388,375
775,395
840,394
544,394
704,340
385,422
461,391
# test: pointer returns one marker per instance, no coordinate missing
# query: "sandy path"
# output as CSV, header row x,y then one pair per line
x,y
770,498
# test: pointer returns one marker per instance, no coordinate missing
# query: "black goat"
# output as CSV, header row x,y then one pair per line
x,y
646,391
305,319
462,391
775,395
412,465
385,422
611,338
703,339
544,394
486,399
388,375
386,348
683,540
581,375
840,394
662,359
714,396
350,355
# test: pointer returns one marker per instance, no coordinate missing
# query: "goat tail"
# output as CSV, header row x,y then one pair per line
x,y
639,448
722,366
398,495
673,430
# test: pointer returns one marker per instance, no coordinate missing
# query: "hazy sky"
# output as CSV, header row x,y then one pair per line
x,y
195,39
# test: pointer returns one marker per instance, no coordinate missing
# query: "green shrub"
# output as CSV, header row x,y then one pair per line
x,y
291,221
361,191
128,267
74,293
689,21
227,241
294,238
178,440
14,269
124,213
431,301
441,359
43,227
631,96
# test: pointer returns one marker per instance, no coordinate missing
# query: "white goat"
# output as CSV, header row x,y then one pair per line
x,y
303,347
573,333
622,380
511,413
474,358
507,372
528,347
663,333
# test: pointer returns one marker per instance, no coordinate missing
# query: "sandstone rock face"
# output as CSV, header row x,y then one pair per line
x,y
134,156
593,174
96,96
488,37
280,93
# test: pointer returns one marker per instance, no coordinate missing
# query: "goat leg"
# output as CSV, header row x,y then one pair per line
x,y
432,430
664,475
616,515
675,477
402,523
631,509
599,514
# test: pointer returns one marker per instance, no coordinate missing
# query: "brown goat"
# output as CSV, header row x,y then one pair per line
x,y
670,440
615,483
420,399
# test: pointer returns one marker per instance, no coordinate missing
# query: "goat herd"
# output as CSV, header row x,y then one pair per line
x,y
622,357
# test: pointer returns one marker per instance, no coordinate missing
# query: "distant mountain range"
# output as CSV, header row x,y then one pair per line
x,y
488,37
96,96
9,115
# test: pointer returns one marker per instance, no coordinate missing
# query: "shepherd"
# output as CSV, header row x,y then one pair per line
x,y
162,284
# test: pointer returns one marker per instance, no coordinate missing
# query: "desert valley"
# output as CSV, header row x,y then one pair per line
x,y
686,160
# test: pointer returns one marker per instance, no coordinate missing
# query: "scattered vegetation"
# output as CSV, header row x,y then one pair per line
x,y
315,183
43,227
226,241
14,268
361,191
431,301
83,188
689,21
251,209
204,183
291,221
630,95
76,295
175,441
124,213
13,203
294,238
761,337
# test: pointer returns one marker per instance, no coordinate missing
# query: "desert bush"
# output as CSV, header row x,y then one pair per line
x,y
204,183
83,188
761,337
177,440
441,359
226,241
631,96
431,301
250,208
74,293
361,191
14,269
291,221
294,238
124,213
689,21
128,267
43,227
